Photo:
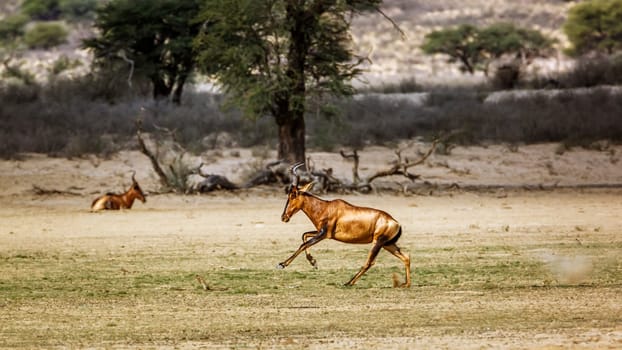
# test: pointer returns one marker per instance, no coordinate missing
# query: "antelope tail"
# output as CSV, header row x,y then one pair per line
x,y
395,238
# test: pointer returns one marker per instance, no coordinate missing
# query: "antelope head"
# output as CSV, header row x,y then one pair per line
x,y
295,198
136,190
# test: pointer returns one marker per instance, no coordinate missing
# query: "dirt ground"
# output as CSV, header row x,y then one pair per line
x,y
511,266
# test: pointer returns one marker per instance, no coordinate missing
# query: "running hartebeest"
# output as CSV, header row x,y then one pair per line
x,y
120,201
343,222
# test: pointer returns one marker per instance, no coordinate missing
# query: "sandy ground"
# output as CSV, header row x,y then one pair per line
x,y
505,216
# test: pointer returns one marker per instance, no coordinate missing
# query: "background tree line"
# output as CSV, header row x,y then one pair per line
x,y
280,59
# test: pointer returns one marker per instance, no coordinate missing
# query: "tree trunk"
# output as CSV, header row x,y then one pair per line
x,y
179,88
292,140
467,64
161,90
291,105
180,81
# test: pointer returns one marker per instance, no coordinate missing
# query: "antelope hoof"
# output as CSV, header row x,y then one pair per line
x,y
280,266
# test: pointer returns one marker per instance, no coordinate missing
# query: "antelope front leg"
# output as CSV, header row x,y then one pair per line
x,y
304,246
373,253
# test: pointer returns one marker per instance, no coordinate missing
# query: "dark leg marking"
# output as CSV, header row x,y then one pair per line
x,y
310,258
306,245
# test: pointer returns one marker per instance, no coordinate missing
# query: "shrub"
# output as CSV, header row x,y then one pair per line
x,y
45,35
63,63
44,10
506,77
63,118
77,9
12,27
403,86
594,26
592,71
14,70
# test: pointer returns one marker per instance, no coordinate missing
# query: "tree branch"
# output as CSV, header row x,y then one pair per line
x,y
122,55
151,156
395,26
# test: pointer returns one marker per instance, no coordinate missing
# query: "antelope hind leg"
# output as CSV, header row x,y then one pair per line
x,y
395,250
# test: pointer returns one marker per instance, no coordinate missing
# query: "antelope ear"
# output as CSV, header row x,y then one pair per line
x,y
291,189
307,187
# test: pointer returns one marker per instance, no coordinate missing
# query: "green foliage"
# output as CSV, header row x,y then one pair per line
x,y
231,50
504,38
12,28
63,63
595,26
78,9
475,48
15,71
458,43
272,56
155,36
44,10
45,35
47,10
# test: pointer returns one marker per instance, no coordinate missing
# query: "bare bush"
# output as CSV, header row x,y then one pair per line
x,y
75,117
590,71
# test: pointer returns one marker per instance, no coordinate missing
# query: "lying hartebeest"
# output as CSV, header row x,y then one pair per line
x,y
343,222
120,201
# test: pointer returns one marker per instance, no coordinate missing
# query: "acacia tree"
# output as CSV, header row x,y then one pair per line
x,y
595,26
502,39
154,37
458,43
271,57
476,48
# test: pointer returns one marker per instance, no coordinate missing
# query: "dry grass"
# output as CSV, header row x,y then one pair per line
x,y
522,271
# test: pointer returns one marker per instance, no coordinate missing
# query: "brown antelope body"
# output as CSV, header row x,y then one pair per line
x,y
112,201
344,222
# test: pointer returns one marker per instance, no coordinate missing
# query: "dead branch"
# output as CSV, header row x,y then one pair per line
x,y
402,165
152,157
355,167
395,25
131,63
174,172
171,164
213,182
274,173
326,182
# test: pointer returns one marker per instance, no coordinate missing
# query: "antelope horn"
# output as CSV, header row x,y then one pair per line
x,y
133,174
294,172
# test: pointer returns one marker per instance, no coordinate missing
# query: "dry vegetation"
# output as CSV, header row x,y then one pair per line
x,y
72,116
492,268
522,271
519,247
